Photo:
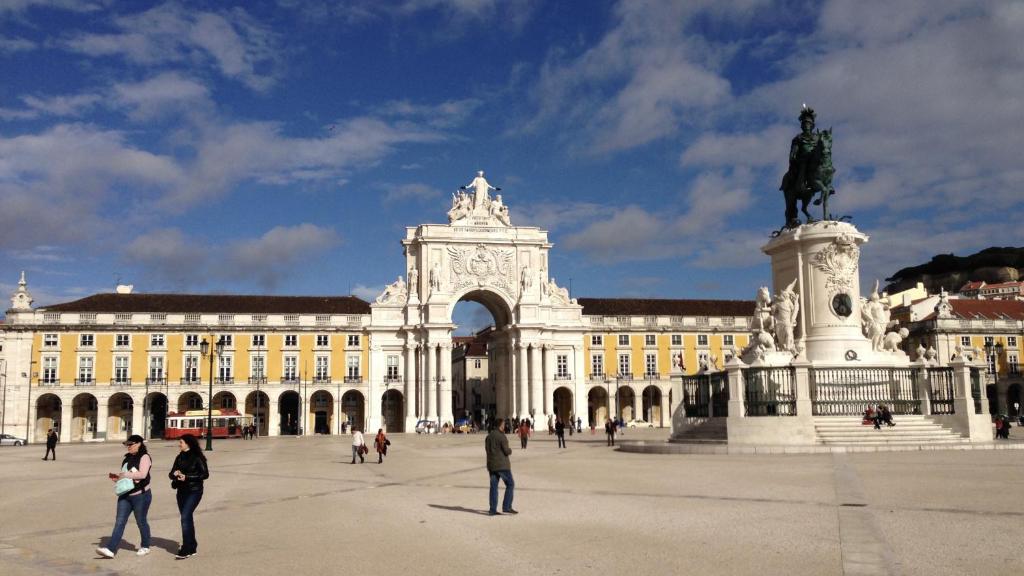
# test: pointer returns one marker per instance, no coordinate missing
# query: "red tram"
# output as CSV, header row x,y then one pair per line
x,y
226,424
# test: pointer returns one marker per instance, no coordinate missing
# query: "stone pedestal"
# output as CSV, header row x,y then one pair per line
x,y
823,258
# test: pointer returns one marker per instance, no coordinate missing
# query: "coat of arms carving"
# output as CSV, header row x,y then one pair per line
x,y
483,267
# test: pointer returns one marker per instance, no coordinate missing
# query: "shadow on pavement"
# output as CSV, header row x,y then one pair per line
x,y
459,509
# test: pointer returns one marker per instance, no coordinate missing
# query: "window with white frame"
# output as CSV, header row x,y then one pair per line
x,y
562,366
1011,341
624,369
191,372
191,339
291,368
702,339
291,340
224,367
1012,364
392,367
321,370
650,364
86,340
352,366
156,340
989,341
597,340
156,367
322,340
353,339
120,369
85,369
727,340
259,366
623,339
477,363
703,359
991,363
677,339
49,340
650,340
259,340
228,339
50,369
965,340
122,340
597,365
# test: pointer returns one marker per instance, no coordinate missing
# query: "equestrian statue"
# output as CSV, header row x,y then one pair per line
x,y
810,170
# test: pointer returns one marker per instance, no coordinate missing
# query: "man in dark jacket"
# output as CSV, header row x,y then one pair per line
x,y
51,444
499,467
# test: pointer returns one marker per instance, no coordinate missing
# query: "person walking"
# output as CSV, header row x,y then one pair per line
x,y
560,432
609,431
579,424
135,499
51,444
187,475
381,443
524,434
500,468
358,446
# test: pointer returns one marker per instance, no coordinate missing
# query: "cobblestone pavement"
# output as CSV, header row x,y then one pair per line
x,y
296,506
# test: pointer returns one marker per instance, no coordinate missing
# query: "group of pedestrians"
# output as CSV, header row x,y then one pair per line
x,y
135,495
248,432
878,415
359,448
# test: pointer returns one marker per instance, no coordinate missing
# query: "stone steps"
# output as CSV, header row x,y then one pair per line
x,y
708,431
909,431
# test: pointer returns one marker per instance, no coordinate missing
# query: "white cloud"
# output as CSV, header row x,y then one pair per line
x,y
73,105
10,45
419,192
368,293
161,94
444,115
20,6
232,42
169,257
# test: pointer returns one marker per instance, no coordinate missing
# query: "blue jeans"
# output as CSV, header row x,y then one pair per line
x,y
125,506
187,502
510,484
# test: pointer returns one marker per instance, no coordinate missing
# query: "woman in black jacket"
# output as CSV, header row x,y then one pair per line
x,y
187,476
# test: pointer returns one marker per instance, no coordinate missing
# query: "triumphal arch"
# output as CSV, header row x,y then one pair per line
x,y
480,256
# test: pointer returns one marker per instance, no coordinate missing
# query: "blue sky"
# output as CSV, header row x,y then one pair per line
x,y
282,147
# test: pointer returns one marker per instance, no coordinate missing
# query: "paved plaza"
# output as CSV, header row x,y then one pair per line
x,y
296,506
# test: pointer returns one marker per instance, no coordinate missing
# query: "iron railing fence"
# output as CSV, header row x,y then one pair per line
x,y
769,391
849,391
705,395
940,390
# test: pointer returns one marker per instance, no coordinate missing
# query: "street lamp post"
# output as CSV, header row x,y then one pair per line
x,y
204,348
993,352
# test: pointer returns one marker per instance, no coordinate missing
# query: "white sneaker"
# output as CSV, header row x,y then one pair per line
x,y
142,552
105,552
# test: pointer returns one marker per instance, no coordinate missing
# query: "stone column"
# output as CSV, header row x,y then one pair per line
x,y
735,368
430,405
273,418
444,408
102,413
548,388
923,387
522,393
537,378
66,409
804,406
139,418
409,386
579,383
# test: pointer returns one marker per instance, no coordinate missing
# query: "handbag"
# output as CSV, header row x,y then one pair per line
x,y
363,449
387,442
124,485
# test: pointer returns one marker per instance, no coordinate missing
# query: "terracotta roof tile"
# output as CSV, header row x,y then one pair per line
x,y
214,303
970,309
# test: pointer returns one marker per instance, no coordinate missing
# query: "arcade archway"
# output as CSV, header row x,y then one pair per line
x,y
651,411
597,407
156,412
392,406
119,417
83,418
561,404
190,401
353,406
626,403
258,404
288,412
321,412
48,411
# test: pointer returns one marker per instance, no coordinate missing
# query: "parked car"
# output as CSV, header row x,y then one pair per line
x,y
8,440
426,427
639,424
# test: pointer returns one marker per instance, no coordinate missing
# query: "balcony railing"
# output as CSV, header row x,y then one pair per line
x,y
652,376
257,381
563,376
48,382
598,376
357,379
120,382
224,380
321,379
392,379
190,381
85,382
289,380
156,381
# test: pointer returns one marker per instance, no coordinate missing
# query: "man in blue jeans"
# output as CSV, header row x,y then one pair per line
x,y
499,467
